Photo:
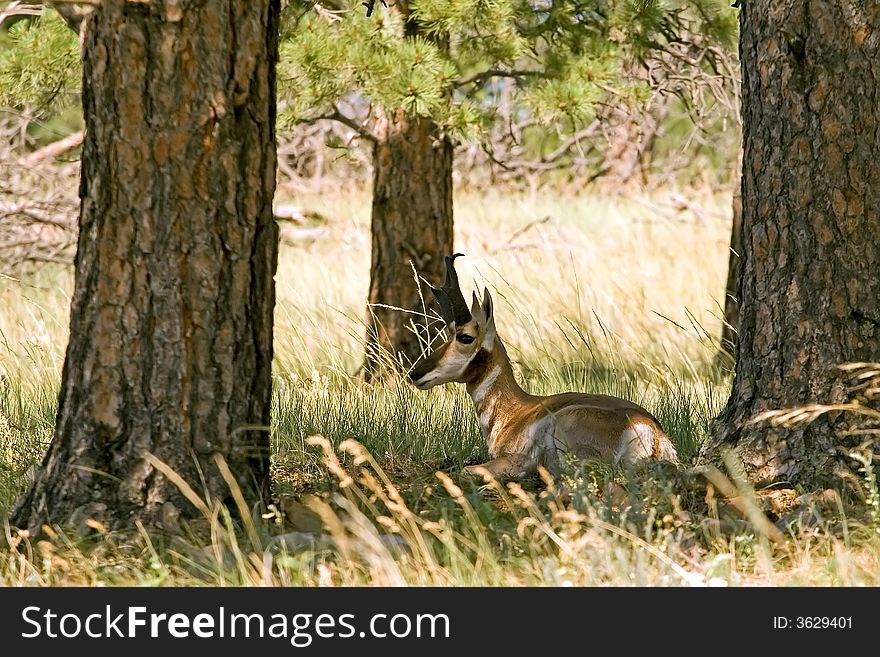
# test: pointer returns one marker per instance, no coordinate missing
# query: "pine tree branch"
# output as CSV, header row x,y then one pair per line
x,y
54,149
480,77
564,147
16,11
347,121
73,13
553,160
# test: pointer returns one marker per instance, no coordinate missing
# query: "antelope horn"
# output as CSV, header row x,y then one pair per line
x,y
453,307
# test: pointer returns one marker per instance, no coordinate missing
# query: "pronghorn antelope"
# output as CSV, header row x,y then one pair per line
x,y
521,430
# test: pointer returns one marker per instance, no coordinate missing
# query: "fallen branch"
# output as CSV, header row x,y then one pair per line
x,y
53,150
17,10
744,503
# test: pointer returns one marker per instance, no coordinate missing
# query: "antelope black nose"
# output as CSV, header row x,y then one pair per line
x,y
415,376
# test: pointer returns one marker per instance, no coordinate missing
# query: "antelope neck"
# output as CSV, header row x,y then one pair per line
x,y
494,390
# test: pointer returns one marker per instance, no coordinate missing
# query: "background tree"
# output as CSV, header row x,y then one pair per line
x,y
810,294
171,322
559,93
387,57
411,79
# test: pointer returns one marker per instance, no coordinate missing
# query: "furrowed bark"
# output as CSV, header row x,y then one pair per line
x,y
810,293
171,321
412,225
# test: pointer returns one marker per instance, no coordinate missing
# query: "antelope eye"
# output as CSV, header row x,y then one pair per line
x,y
464,338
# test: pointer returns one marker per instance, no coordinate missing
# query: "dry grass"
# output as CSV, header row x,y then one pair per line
x,y
643,281
611,295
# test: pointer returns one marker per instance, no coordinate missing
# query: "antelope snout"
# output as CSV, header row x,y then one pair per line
x,y
419,379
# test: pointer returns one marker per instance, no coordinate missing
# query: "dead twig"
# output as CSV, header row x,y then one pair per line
x,y
53,150
744,503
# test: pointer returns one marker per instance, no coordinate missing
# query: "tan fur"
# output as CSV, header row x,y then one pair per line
x,y
523,431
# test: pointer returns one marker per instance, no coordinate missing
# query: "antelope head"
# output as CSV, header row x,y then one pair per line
x,y
471,336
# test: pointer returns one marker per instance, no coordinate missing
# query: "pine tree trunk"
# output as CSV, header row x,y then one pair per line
x,y
411,227
810,293
727,351
170,346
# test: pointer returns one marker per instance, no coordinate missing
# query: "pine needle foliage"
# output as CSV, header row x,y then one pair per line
x,y
40,66
450,59
650,26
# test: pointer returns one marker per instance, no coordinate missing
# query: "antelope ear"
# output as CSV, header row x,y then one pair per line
x,y
488,312
476,310
487,305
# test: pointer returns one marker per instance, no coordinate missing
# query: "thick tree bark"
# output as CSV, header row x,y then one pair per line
x,y
810,293
171,320
727,350
411,226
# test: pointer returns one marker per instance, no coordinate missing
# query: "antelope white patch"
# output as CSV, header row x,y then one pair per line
x,y
636,442
486,417
479,394
542,438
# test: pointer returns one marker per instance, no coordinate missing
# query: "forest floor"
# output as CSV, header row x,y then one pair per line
x,y
608,295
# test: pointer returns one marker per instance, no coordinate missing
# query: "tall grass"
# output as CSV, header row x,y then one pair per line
x,y
615,283
605,295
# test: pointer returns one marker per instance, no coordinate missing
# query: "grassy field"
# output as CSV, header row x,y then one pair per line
x,y
597,294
